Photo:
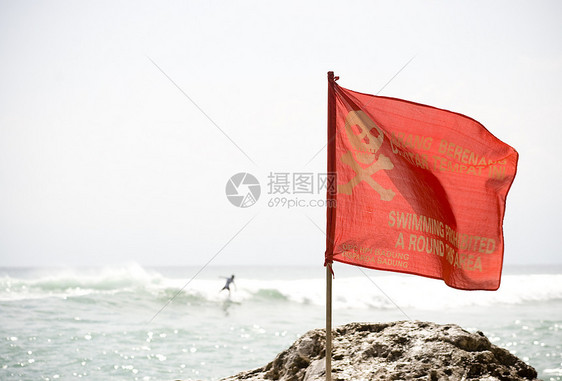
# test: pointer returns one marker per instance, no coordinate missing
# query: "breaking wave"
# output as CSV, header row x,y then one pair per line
x,y
134,282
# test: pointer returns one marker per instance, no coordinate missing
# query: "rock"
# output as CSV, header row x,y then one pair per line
x,y
405,350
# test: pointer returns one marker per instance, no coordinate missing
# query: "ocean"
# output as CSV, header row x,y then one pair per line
x,y
117,323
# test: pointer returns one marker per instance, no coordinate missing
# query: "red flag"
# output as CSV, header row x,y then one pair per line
x,y
420,190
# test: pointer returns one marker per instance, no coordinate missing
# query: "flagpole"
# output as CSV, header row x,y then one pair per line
x,y
328,322
330,223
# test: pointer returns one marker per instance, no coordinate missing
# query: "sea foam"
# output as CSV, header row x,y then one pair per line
x,y
364,291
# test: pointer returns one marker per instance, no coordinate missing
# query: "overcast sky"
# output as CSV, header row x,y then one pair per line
x,y
104,160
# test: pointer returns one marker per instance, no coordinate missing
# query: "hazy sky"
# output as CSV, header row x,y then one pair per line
x,y
103,160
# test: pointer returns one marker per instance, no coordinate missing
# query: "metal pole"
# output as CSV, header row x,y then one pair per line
x,y
330,220
329,322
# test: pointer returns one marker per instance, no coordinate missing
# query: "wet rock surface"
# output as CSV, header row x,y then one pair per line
x,y
405,350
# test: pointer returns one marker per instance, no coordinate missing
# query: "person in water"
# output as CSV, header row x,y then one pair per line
x,y
228,282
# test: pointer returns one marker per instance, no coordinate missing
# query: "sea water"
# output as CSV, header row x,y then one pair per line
x,y
135,323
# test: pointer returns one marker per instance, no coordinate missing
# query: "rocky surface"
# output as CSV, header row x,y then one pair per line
x,y
406,350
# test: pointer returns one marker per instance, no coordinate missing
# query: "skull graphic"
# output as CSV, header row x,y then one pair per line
x,y
366,138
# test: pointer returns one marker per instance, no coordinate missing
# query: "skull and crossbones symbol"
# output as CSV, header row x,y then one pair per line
x,y
366,143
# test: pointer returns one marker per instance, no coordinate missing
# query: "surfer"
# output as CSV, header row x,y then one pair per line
x,y
228,282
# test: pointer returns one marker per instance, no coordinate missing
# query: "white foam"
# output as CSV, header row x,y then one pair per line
x,y
360,292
